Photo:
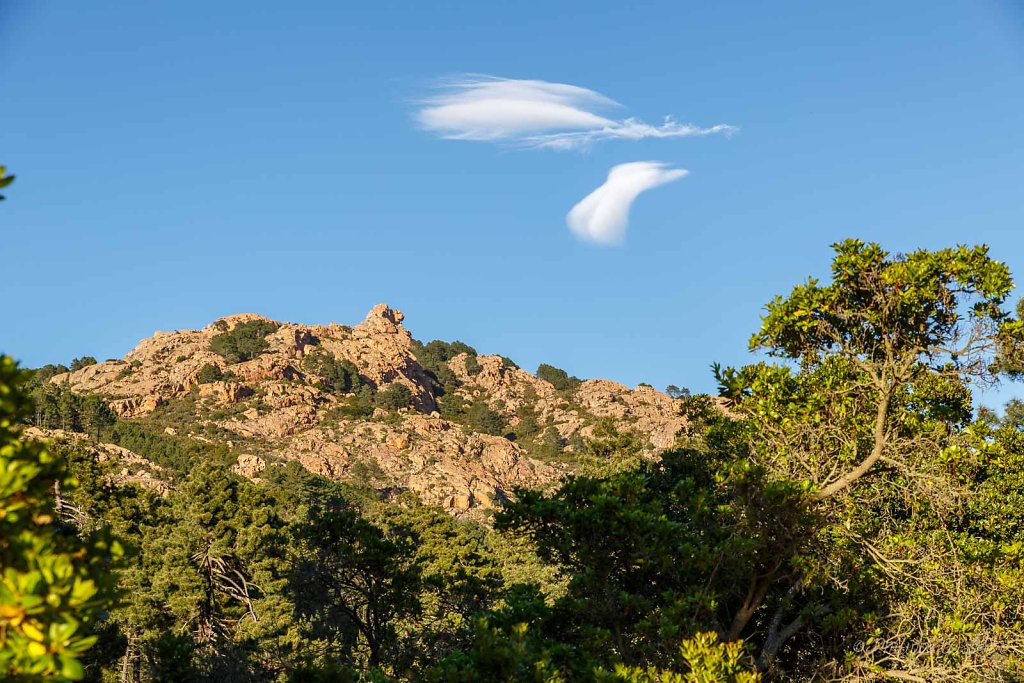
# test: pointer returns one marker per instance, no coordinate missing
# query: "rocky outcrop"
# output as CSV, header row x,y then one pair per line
x,y
277,413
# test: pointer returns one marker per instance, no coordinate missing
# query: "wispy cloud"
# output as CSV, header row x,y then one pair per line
x,y
537,114
602,216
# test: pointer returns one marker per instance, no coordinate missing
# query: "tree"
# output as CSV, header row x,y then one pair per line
x,y
54,587
879,368
434,357
896,340
244,342
336,376
212,575
557,377
209,373
83,362
705,660
482,418
675,392
96,415
661,549
395,396
353,583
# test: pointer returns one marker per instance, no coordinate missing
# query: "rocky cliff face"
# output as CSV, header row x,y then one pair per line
x,y
272,409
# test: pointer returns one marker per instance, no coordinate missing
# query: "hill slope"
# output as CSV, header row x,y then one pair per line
x,y
468,429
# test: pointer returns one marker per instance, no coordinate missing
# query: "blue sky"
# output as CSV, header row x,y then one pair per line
x,y
177,162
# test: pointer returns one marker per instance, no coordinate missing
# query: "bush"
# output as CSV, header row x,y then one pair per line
x,y
83,362
245,342
210,373
336,376
473,366
557,377
434,357
394,396
483,419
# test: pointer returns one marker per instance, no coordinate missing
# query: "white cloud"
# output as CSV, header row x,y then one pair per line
x,y
602,216
537,114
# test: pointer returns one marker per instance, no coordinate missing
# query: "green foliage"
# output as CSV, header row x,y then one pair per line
x,y
5,180
675,392
354,585
56,407
706,660
434,357
651,552
394,396
41,376
54,587
876,383
486,420
499,655
210,373
83,362
557,377
246,341
847,519
148,437
474,414
335,376
360,405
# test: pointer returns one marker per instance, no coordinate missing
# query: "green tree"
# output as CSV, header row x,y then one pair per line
x,y
83,362
335,376
96,415
207,597
209,373
434,357
557,377
394,396
244,342
705,660
354,584
658,550
879,365
54,587
675,392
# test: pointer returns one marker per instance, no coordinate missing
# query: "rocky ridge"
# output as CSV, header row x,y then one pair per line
x,y
271,409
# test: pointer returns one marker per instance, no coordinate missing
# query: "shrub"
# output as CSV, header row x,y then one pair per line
x,y
473,366
83,362
557,377
210,373
246,341
394,396
434,357
336,376
483,419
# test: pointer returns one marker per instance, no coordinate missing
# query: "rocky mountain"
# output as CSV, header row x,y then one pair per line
x,y
464,430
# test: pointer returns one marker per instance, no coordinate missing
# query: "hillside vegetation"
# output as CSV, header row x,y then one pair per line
x,y
333,503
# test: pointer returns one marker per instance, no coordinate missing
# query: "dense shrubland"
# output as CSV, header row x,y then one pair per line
x,y
850,518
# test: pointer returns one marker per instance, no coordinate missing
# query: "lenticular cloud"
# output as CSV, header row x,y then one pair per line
x,y
602,216
537,114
